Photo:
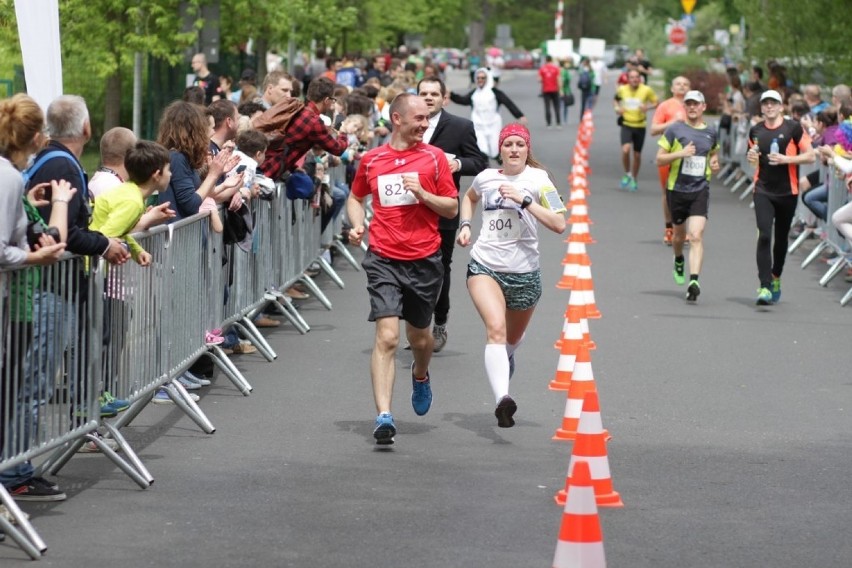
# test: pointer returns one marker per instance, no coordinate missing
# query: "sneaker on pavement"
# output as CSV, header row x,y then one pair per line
x,y
667,236
264,321
625,181
421,393
187,384
162,397
112,405
7,514
241,348
633,186
196,379
37,489
679,278
775,289
89,447
439,333
506,409
385,429
764,297
693,291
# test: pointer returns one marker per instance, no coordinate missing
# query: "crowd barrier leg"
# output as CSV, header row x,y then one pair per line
x,y
329,270
131,413
748,190
24,534
739,183
846,298
340,247
726,170
230,370
129,454
285,307
815,253
731,177
833,271
315,290
137,472
806,233
250,330
181,398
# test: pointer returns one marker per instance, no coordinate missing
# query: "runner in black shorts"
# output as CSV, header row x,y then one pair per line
x,y
411,186
633,136
691,148
776,148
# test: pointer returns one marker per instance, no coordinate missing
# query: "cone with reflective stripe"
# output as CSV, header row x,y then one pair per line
x,y
580,234
579,214
575,257
580,543
583,283
590,447
574,315
582,381
578,194
569,346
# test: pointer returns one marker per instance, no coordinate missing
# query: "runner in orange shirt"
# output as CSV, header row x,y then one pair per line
x,y
667,113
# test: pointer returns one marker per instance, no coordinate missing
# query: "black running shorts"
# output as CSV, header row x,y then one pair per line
x,y
407,289
686,204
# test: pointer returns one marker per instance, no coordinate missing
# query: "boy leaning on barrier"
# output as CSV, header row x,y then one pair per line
x,y
117,211
116,214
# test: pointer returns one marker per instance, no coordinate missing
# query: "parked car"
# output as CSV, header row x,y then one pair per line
x,y
616,55
518,59
447,57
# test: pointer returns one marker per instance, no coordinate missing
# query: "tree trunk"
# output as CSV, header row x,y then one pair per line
x,y
112,101
476,35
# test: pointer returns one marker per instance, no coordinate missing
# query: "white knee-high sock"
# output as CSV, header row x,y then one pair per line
x,y
497,369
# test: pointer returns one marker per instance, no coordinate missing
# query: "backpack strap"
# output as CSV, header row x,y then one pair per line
x,y
30,172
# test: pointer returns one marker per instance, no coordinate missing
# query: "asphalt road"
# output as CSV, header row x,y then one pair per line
x,y
730,423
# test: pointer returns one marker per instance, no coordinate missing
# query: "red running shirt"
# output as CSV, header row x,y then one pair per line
x,y
403,228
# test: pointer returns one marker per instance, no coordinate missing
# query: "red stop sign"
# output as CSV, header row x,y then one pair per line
x,y
677,35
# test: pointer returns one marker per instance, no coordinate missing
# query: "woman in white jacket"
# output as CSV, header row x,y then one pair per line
x,y
485,101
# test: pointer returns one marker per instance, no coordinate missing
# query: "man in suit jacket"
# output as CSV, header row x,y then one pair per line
x,y
456,137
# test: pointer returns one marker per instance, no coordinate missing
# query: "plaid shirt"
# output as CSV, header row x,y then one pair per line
x,y
306,130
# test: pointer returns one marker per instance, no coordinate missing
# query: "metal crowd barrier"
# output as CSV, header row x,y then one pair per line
x,y
72,330
49,361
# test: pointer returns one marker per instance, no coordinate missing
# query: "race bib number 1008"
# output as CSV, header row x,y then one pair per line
x,y
392,193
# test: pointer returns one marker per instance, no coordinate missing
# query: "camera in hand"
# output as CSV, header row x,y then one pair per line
x,y
36,230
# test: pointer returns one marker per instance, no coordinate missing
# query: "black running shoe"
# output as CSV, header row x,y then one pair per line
x,y
693,291
505,410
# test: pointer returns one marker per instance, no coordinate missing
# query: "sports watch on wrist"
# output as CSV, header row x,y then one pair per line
x,y
526,202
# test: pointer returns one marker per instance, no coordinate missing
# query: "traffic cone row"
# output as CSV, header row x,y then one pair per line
x,y
588,483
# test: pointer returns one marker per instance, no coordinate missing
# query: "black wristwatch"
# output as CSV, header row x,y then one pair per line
x,y
526,202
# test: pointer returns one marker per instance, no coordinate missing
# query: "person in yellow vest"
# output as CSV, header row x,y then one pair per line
x,y
632,102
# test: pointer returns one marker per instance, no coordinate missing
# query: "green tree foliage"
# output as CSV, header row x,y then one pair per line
x,y
642,30
810,40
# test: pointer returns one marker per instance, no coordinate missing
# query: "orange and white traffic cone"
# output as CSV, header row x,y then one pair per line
x,y
580,214
580,543
579,234
575,257
574,316
569,346
582,381
583,283
578,194
576,254
590,447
